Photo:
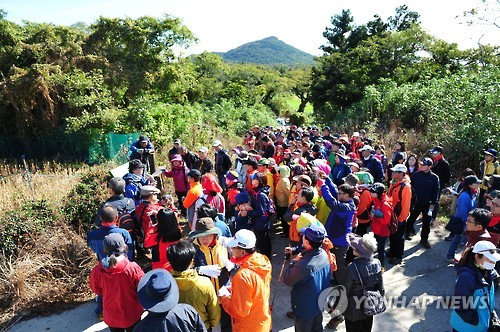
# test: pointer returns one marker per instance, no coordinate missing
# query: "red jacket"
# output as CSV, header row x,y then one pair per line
x,y
380,226
118,287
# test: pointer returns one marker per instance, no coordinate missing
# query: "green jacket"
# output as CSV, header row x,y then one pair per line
x,y
199,292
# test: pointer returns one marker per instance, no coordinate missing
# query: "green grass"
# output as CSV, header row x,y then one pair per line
x,y
293,103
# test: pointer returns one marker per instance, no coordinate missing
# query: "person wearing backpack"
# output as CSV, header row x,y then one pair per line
x,y
124,205
193,196
365,271
259,215
400,192
135,179
381,218
108,217
145,215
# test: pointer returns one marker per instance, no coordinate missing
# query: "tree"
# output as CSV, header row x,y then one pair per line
x,y
403,19
337,35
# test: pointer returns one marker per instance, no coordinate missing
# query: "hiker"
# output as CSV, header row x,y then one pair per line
x,y
175,149
426,192
247,300
364,208
135,179
302,202
475,276
263,167
260,213
476,227
141,149
365,271
243,205
190,159
308,274
203,163
212,193
116,188
115,278
399,149
212,256
400,193
441,168
233,188
195,191
159,295
108,217
146,212
193,289
282,196
412,164
178,173
373,164
494,225
167,232
487,167
207,210
222,163
467,201
381,218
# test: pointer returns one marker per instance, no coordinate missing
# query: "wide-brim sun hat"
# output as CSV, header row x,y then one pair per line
x,y
158,291
204,226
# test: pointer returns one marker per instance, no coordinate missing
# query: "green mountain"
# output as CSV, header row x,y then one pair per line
x,y
267,51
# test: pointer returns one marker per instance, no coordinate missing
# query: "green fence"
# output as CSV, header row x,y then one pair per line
x,y
58,145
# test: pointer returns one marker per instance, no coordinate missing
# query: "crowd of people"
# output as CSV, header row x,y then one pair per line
x,y
337,199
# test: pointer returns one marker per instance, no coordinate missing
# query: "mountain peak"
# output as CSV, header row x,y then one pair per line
x,y
268,51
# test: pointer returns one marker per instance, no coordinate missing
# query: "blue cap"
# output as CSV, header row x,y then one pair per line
x,y
314,233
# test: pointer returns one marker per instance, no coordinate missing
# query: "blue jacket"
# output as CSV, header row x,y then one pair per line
x,y
466,202
339,172
339,222
134,150
477,290
308,277
259,216
96,237
133,186
375,167
425,187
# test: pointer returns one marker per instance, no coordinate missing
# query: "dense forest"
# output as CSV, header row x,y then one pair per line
x,y
123,75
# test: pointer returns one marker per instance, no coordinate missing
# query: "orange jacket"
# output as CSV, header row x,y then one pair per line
x,y
362,211
195,191
248,304
393,191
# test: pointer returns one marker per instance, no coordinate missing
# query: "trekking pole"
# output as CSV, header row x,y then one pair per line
x,y
28,175
279,280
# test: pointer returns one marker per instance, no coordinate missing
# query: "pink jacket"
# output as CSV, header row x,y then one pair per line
x,y
178,174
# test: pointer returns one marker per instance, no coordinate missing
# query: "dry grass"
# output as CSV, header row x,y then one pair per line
x,y
48,181
48,275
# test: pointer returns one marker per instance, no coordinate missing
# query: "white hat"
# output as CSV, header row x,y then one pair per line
x,y
351,164
355,134
366,147
244,239
217,143
487,249
203,149
399,168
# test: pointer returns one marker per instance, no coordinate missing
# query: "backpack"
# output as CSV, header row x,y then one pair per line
x,y
126,220
396,211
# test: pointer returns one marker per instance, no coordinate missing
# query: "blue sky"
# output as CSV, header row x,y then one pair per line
x,y
221,25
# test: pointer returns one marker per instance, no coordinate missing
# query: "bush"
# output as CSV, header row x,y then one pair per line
x,y
20,227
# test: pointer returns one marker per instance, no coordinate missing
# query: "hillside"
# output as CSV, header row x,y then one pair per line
x,y
268,51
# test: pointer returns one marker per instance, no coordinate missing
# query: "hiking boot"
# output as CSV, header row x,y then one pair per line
x,y
290,314
395,261
425,244
334,322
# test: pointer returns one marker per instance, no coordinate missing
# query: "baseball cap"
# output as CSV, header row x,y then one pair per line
x,y
217,143
244,239
203,149
426,162
232,176
366,148
263,162
436,149
399,168
471,179
177,141
143,138
487,249
113,243
303,178
315,233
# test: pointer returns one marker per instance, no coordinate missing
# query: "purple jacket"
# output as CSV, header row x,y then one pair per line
x,y
179,177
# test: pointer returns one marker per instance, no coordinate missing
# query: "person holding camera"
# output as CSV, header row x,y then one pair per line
x,y
141,149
